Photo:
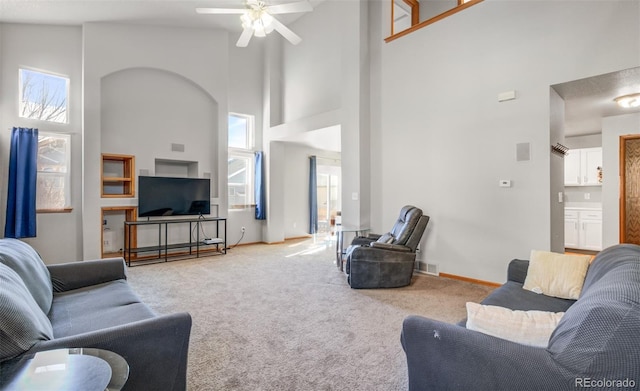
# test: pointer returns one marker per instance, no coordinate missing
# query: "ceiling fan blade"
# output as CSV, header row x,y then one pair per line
x,y
221,10
289,8
243,41
286,32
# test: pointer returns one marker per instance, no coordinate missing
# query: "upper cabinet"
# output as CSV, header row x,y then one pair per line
x,y
583,167
117,175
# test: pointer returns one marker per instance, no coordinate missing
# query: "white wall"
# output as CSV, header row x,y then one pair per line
x,y
313,66
246,73
612,129
325,83
446,141
199,56
144,111
56,49
296,181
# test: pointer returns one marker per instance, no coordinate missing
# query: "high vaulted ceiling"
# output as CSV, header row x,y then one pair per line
x,y
179,13
586,100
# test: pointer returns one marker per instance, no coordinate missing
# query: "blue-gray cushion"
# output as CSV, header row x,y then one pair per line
x,y
598,335
25,261
22,323
96,307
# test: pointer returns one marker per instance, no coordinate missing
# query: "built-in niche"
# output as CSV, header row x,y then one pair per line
x,y
185,169
176,168
168,121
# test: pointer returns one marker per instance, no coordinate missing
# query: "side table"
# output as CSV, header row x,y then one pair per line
x,y
86,369
340,231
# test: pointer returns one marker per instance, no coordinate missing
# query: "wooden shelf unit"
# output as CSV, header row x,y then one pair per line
x,y
130,236
117,175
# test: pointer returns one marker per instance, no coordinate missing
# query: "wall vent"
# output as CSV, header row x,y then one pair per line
x,y
432,268
427,268
177,147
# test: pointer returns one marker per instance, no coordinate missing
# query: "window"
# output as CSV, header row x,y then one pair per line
x,y
240,131
43,96
411,15
241,161
53,191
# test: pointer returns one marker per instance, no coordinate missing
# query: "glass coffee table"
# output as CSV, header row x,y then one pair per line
x,y
340,233
85,369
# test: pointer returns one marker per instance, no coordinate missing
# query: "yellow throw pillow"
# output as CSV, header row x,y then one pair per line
x,y
557,275
531,328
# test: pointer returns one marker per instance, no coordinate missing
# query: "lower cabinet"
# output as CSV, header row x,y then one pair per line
x,y
583,229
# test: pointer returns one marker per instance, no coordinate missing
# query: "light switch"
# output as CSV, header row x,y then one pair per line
x,y
354,196
505,183
506,95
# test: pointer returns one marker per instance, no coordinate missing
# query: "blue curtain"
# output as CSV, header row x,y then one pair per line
x,y
21,195
313,195
260,189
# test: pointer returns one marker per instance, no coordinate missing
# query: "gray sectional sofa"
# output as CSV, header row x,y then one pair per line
x,y
596,344
86,304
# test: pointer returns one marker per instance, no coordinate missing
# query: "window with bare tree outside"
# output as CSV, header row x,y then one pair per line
x,y
53,192
43,96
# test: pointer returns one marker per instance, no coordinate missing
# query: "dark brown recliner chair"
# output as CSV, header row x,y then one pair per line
x,y
387,261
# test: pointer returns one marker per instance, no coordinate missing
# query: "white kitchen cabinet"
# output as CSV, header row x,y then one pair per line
x,y
581,167
571,231
583,229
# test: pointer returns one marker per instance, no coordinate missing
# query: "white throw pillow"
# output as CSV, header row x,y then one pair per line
x,y
557,275
531,328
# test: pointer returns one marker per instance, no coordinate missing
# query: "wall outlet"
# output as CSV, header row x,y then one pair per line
x,y
243,229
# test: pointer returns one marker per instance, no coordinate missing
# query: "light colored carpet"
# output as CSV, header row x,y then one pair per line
x,y
282,317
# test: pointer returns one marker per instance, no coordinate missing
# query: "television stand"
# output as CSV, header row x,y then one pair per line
x,y
163,251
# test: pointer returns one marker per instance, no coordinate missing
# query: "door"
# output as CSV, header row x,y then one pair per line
x,y
630,189
328,196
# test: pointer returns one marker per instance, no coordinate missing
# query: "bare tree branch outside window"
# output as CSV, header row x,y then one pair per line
x,y
43,96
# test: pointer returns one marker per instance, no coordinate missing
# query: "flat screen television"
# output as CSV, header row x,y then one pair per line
x,y
166,196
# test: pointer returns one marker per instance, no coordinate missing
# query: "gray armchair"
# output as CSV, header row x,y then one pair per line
x,y
388,260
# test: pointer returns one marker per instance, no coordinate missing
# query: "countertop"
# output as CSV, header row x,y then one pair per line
x,y
583,205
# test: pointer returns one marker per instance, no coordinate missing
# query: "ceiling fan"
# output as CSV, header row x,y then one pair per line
x,y
257,19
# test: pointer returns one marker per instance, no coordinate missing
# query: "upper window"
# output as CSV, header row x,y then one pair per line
x,y
53,192
241,161
44,96
410,15
240,131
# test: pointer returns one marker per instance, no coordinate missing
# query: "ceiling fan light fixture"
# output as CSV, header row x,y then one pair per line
x,y
267,20
628,101
257,19
258,30
246,21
